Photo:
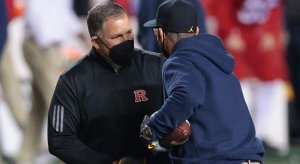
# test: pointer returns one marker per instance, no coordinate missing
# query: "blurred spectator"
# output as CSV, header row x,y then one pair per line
x,y
80,44
11,89
3,33
3,24
81,7
252,31
147,11
48,24
127,6
9,81
292,13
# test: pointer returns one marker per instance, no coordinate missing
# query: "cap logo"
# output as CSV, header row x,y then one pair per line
x,y
191,29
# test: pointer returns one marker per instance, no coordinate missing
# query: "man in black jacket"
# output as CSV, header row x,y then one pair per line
x,y
99,103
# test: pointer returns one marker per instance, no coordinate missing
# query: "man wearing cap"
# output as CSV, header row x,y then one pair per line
x,y
199,86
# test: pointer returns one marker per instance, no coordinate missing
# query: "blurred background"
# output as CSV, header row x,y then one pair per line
x,y
39,38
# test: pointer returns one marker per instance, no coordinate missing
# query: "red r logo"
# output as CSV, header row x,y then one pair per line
x,y
140,95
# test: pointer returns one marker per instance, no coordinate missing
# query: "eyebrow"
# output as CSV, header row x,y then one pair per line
x,y
120,35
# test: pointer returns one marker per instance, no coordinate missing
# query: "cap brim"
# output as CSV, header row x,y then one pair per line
x,y
151,23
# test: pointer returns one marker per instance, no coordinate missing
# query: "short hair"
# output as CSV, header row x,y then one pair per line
x,y
99,13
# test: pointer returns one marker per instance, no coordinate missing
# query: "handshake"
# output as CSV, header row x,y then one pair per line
x,y
146,134
176,137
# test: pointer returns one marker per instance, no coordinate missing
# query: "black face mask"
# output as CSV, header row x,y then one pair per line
x,y
122,53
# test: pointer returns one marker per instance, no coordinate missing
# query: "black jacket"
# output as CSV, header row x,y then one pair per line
x,y
95,113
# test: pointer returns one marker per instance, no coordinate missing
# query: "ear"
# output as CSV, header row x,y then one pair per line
x,y
94,42
197,30
161,34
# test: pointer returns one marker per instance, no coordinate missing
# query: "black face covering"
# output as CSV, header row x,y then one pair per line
x,y
122,53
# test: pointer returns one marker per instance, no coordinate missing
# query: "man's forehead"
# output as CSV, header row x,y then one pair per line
x,y
113,25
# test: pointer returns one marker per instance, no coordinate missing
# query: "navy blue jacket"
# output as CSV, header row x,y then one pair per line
x,y
200,86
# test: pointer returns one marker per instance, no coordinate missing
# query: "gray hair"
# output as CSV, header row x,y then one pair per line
x,y
99,13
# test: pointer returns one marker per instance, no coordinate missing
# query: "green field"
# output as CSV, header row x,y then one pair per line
x,y
292,158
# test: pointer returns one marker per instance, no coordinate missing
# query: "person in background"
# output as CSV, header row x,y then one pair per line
x,y
3,25
98,104
147,11
48,24
3,35
199,86
252,31
10,85
292,15
127,5
81,7
146,38
8,78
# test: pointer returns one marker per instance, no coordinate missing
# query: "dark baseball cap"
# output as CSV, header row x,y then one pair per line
x,y
177,16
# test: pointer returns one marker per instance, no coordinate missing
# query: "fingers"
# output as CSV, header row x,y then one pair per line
x,y
145,130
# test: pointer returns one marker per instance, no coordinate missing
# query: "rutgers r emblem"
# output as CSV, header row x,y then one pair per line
x,y
140,95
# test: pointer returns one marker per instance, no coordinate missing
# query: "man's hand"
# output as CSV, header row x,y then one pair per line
x,y
145,131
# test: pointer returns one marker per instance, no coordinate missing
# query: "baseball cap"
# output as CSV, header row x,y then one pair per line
x,y
177,16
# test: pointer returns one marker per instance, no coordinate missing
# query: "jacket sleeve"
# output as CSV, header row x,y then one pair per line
x,y
185,93
63,127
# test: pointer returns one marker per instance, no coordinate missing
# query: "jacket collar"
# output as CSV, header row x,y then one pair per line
x,y
104,62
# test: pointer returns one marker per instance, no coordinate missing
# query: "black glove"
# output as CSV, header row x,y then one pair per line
x,y
145,131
